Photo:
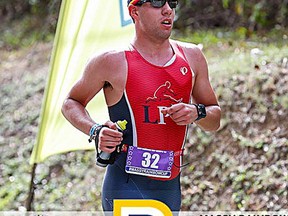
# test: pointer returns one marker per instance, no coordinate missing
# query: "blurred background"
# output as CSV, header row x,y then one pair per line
x,y
243,166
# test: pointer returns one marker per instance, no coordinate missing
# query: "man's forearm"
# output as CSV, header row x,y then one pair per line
x,y
77,115
212,120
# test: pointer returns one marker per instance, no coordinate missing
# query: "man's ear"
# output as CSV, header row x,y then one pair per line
x,y
133,12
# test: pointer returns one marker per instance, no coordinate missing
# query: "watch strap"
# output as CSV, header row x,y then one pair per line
x,y
200,111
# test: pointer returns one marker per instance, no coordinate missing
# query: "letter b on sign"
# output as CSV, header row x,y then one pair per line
x,y
140,207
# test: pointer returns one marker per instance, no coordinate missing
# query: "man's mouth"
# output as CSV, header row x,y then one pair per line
x,y
167,22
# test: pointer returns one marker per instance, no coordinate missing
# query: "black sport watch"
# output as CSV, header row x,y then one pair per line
x,y
201,111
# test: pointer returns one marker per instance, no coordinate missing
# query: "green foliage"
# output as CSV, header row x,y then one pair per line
x,y
244,164
32,20
14,9
251,15
24,22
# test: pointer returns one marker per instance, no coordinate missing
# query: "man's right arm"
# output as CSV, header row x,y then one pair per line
x,y
74,106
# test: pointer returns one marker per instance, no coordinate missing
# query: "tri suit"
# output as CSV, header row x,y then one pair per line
x,y
150,88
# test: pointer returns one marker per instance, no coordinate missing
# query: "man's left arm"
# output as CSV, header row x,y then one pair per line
x,y
203,97
203,93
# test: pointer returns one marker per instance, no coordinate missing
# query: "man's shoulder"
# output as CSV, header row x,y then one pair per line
x,y
192,51
110,55
109,60
187,46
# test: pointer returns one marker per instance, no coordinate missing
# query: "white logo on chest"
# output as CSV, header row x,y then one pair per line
x,y
184,70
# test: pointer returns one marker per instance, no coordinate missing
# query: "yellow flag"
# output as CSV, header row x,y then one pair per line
x,y
85,27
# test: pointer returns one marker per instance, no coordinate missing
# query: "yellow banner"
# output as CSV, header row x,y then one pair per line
x,y
84,28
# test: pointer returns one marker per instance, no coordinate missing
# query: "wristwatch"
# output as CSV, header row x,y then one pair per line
x,y
201,111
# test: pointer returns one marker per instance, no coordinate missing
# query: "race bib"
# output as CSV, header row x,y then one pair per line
x,y
147,162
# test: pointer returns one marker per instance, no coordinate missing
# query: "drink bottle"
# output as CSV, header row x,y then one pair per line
x,y
104,157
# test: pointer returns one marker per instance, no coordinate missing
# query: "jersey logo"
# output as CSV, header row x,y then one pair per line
x,y
164,92
184,70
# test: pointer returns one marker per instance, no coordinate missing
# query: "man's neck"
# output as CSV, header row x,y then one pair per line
x,y
158,53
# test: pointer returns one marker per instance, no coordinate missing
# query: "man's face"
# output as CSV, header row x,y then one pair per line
x,y
156,22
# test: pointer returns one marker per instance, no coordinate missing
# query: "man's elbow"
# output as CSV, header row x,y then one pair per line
x,y
211,127
217,119
214,121
66,107
215,127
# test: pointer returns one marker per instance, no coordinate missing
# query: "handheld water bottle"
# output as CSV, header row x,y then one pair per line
x,y
104,157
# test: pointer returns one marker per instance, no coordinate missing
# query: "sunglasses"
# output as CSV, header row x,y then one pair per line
x,y
159,3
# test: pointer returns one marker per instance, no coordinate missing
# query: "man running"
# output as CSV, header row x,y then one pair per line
x,y
159,86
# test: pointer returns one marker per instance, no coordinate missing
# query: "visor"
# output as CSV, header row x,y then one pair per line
x,y
132,2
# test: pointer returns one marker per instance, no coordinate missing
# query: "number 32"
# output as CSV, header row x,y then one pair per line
x,y
147,160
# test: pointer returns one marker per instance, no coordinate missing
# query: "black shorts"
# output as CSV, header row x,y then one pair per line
x,y
120,185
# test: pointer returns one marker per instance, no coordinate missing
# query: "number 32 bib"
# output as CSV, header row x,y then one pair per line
x,y
148,162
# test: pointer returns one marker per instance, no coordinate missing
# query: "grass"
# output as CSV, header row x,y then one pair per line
x,y
231,53
248,76
23,32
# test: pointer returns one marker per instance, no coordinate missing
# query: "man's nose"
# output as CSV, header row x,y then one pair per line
x,y
167,9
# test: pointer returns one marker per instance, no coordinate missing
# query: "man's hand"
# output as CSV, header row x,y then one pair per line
x,y
181,113
109,137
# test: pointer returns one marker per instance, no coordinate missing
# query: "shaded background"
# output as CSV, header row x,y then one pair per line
x,y
39,17
243,166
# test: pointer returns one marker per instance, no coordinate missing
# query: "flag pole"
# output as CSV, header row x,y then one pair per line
x,y
35,159
30,198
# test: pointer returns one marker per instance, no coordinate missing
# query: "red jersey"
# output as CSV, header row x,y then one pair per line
x,y
151,88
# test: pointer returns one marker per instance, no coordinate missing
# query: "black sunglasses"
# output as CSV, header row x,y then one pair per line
x,y
159,3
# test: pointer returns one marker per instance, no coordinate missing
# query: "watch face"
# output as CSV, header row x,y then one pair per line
x,y
201,111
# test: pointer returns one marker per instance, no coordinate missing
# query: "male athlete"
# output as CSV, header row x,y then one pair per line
x,y
159,86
